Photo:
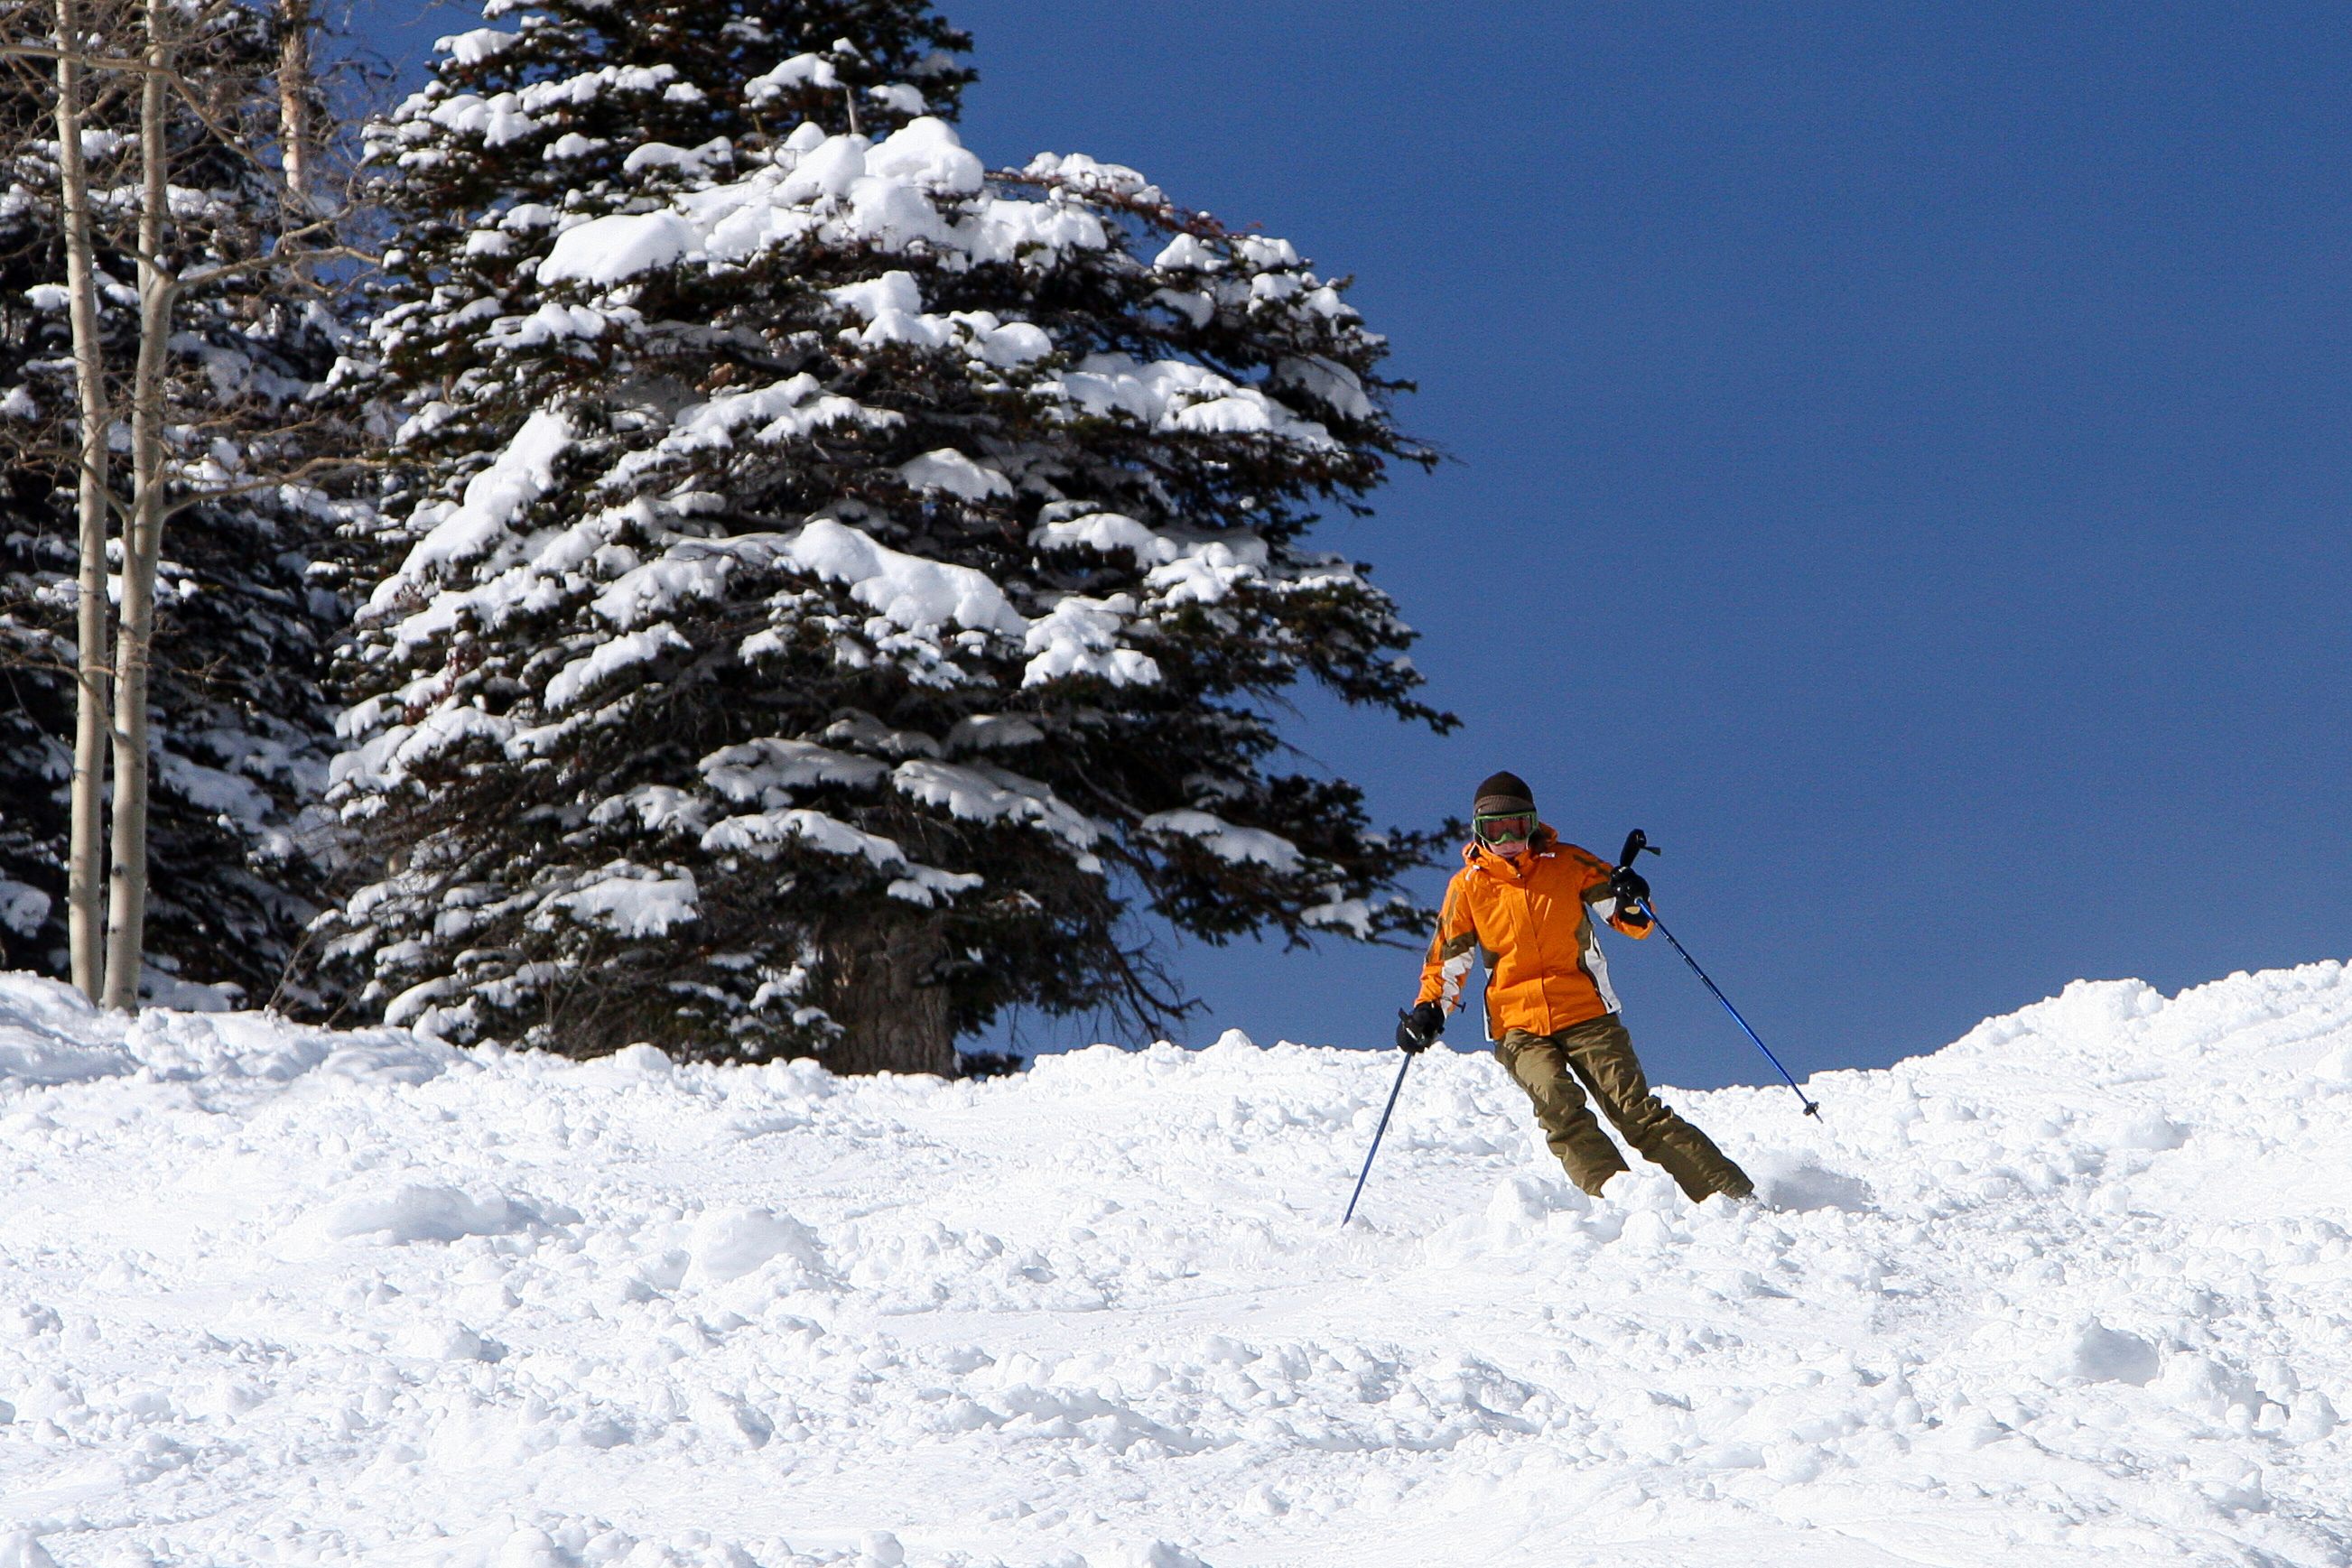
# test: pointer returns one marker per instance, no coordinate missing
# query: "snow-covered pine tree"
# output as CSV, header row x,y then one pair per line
x,y
244,622
836,585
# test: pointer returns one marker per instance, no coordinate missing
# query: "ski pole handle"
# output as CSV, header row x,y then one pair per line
x,y
1635,842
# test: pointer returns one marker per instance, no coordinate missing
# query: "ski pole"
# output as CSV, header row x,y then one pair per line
x,y
1377,1133
1635,842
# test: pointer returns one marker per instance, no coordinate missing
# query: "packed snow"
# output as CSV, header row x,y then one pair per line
x,y
2076,1290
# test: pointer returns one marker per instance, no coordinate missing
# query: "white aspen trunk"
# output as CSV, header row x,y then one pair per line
x,y
127,886
294,101
85,922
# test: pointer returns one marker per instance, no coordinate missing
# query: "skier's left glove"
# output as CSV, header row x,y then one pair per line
x,y
1630,891
1419,1028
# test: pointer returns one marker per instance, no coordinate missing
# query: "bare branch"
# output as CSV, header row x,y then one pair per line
x,y
77,56
279,258
228,135
291,476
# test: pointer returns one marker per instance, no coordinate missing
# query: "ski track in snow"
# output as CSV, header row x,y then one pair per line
x,y
2075,1290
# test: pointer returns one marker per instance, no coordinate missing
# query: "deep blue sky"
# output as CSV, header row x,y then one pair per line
x,y
1904,463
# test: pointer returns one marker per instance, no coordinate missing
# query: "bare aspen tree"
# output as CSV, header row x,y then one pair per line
x,y
294,136
224,338
126,921
85,923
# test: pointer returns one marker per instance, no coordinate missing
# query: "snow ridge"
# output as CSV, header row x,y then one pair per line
x,y
2073,1290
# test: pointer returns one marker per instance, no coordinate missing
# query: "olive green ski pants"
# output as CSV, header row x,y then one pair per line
x,y
1597,1056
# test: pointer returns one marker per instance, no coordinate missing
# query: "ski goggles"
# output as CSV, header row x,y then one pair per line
x,y
1516,827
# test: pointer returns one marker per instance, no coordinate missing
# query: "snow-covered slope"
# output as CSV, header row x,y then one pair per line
x,y
2075,1290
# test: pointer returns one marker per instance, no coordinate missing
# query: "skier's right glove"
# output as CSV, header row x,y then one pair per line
x,y
1631,891
1419,1029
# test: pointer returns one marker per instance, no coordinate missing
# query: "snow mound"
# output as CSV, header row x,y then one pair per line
x,y
2074,1289
49,1034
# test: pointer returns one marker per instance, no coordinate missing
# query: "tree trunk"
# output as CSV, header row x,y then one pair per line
x,y
127,891
875,983
84,924
294,102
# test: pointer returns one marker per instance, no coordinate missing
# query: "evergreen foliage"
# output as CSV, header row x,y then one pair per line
x,y
832,586
247,614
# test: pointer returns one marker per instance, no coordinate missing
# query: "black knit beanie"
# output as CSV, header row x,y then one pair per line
x,y
1503,793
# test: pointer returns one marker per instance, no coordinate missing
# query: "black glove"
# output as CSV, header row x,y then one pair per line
x,y
1419,1028
1632,891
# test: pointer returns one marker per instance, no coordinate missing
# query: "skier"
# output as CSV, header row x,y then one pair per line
x,y
1524,903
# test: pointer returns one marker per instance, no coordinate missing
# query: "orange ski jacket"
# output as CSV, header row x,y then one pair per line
x,y
1533,925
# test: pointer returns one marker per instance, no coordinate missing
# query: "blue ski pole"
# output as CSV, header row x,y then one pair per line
x,y
1377,1134
1635,842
